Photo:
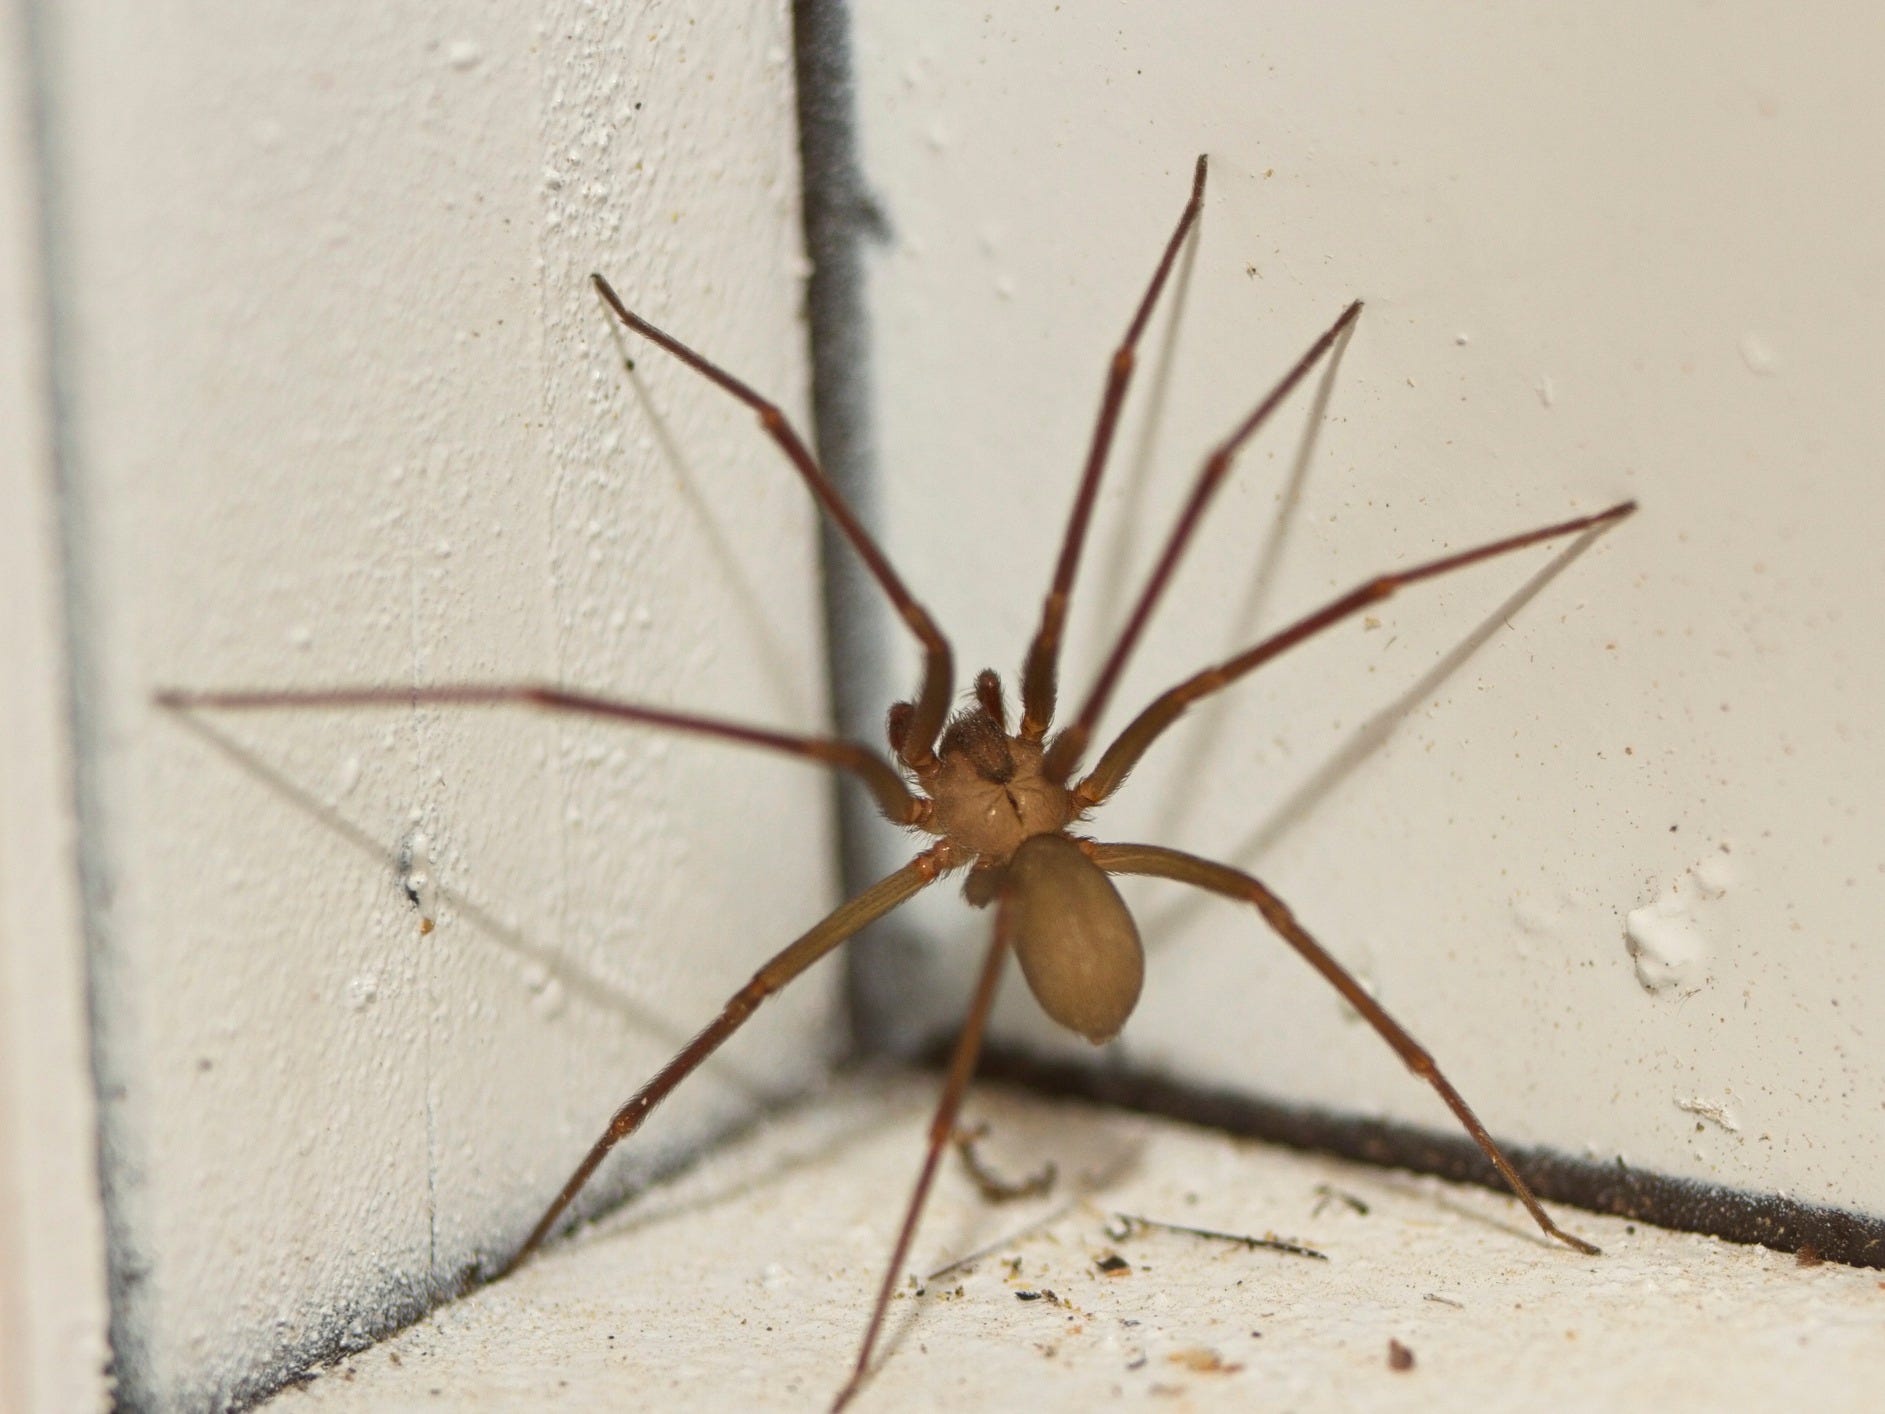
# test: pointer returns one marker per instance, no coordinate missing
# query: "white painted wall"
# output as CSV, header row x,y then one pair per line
x,y
344,409
53,1312
1608,251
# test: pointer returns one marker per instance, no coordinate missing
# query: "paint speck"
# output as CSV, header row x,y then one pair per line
x,y
349,776
1757,353
1462,340
1716,1111
550,1000
463,54
1550,920
1547,391
301,637
362,991
415,871
1201,1360
1714,877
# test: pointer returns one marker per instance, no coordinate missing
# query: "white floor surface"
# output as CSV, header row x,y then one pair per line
x,y
746,1282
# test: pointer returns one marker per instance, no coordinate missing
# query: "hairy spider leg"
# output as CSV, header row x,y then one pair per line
x,y
1131,744
932,703
941,1127
1063,756
1235,884
1041,672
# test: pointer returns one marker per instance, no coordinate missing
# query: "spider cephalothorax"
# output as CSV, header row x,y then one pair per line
x,y
988,789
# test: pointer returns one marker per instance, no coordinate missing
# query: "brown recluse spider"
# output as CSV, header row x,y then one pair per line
x,y
1002,806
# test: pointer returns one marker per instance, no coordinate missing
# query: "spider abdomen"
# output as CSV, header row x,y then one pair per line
x,y
1073,936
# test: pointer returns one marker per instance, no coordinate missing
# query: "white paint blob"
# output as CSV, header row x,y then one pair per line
x,y
1757,353
1666,938
362,990
1670,952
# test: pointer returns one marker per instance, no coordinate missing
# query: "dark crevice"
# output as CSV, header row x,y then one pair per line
x,y
1689,1205
52,246
842,221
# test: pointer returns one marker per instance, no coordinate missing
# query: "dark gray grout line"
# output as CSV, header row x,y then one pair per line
x,y
841,221
84,685
1598,1186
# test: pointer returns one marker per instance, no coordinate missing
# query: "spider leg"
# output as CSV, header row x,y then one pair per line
x,y
1235,884
942,1128
893,796
834,929
932,703
1065,753
1132,744
1040,675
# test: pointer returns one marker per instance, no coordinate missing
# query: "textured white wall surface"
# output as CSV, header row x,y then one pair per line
x,y
1608,251
344,409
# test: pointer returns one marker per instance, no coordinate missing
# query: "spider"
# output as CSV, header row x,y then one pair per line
x,y
1002,798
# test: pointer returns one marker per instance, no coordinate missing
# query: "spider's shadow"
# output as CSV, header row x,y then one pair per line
x,y
1206,726
1109,605
578,982
1368,738
1133,479
1204,742
659,1201
784,679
